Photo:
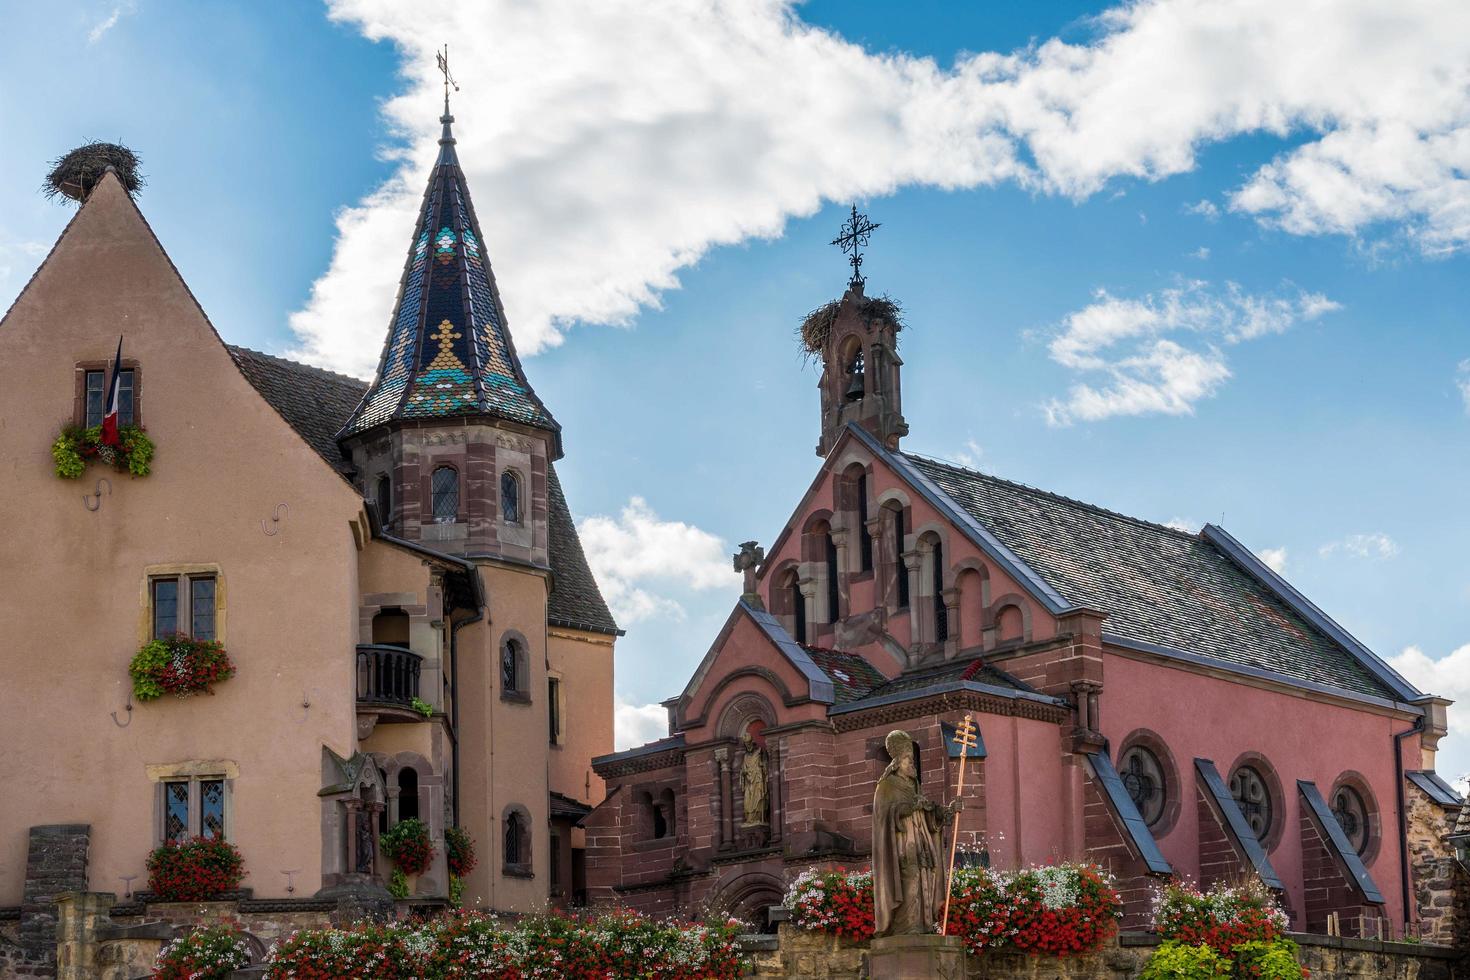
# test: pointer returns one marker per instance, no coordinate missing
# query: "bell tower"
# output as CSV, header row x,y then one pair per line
x,y
856,339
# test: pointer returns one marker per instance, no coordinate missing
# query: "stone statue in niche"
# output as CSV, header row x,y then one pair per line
x,y
753,783
366,845
908,847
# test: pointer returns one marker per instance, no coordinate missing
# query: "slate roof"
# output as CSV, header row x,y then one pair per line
x,y
565,807
312,401
951,673
1158,585
317,403
852,676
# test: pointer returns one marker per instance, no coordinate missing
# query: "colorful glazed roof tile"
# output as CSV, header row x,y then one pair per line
x,y
449,352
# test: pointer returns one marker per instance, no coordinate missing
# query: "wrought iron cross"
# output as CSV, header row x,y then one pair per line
x,y
443,57
854,234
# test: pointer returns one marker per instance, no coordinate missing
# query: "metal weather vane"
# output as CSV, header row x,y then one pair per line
x,y
853,235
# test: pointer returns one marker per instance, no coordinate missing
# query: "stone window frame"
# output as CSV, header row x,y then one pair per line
x,y
385,509
857,475
1272,780
194,771
1173,787
1357,782
79,394
820,538
520,481
556,714
660,795
890,502
972,604
521,693
459,494
523,868
922,596
182,572
998,606
786,580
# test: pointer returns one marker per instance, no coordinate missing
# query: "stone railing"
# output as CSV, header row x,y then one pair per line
x,y
796,954
387,675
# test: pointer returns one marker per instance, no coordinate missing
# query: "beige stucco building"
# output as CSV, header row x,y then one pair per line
x,y
365,553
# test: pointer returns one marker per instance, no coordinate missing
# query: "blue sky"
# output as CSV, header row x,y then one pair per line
x,y
1203,289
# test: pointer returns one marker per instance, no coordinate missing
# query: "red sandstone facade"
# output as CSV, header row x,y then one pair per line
x,y
905,593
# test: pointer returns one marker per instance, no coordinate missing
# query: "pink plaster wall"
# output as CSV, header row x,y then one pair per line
x,y
1199,716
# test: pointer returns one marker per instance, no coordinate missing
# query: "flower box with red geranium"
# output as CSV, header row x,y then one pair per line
x,y
195,870
407,845
206,953
178,665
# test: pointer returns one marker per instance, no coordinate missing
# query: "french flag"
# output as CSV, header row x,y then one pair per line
x,y
109,418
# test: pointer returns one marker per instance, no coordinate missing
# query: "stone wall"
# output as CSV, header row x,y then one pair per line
x,y
1441,886
795,954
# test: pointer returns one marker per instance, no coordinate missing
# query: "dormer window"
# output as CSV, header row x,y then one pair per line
x,y
510,497
445,494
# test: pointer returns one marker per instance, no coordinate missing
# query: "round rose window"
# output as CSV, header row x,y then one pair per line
x,y
1248,787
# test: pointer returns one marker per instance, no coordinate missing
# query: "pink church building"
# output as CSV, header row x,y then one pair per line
x,y
1155,700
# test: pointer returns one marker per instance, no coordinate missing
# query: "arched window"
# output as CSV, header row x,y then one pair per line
x,y
666,804
1352,816
408,793
792,585
900,571
445,486
1010,624
941,615
384,500
513,668
865,539
510,496
855,371
832,585
516,847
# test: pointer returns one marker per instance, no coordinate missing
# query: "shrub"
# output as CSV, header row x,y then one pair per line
x,y
366,951
979,909
839,902
1174,960
1063,908
459,851
195,870
398,884
178,665
205,954
1268,961
408,846
1222,918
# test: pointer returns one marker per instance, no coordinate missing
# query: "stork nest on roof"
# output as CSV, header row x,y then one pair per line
x,y
817,326
75,174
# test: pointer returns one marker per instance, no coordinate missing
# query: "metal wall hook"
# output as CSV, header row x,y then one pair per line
x,y
127,881
291,879
275,521
88,498
124,724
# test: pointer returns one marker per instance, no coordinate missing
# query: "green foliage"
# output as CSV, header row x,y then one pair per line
x,y
456,891
408,846
459,848
75,446
206,953
398,884
178,665
423,707
1178,961
1268,961
66,453
146,669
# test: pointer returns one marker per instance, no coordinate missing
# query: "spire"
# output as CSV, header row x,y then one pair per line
x,y
449,352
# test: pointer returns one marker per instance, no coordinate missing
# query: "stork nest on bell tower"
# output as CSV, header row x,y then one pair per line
x,y
77,173
817,326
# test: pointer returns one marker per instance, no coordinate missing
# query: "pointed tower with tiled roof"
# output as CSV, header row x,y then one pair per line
x,y
450,441
449,352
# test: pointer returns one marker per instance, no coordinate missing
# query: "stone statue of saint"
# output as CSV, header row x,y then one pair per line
x,y
753,782
908,848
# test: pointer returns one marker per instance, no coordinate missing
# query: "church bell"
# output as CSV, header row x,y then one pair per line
x,y
855,387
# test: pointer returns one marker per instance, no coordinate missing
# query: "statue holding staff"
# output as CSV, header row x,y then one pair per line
x,y
909,882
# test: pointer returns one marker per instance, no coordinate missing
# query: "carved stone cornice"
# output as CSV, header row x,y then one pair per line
x,y
958,700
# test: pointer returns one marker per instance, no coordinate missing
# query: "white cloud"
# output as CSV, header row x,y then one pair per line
x,y
610,145
1274,559
1144,372
971,455
110,21
1202,253
1462,381
638,549
635,724
1205,209
1375,545
1449,677
1184,524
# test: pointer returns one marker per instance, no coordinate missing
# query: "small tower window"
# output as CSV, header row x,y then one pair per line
x,y
900,571
445,494
408,793
510,497
383,495
865,539
832,588
513,670
855,376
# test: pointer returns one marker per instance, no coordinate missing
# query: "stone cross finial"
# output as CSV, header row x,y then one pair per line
x,y
749,560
